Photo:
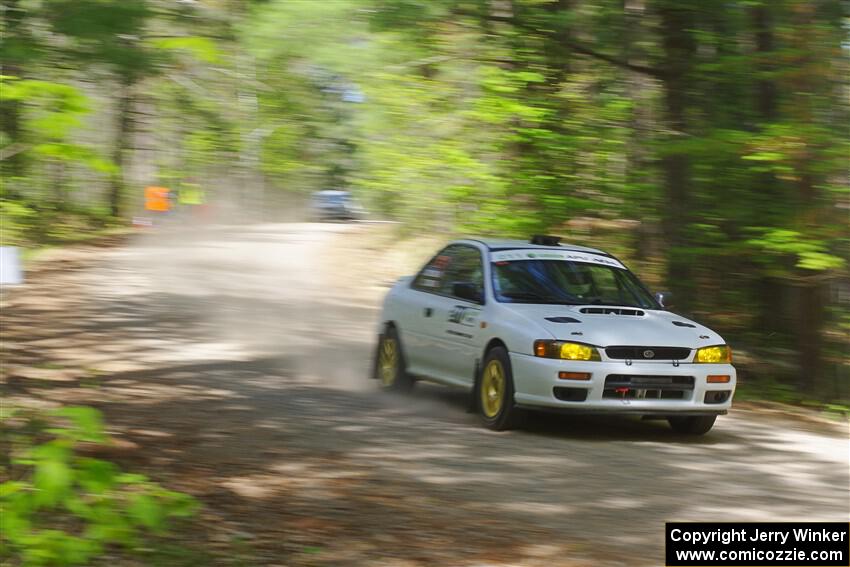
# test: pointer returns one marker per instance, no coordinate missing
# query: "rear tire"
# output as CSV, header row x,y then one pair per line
x,y
494,392
692,424
390,366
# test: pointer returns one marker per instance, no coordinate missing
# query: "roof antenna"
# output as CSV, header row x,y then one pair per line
x,y
545,240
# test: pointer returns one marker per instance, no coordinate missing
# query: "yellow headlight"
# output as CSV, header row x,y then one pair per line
x,y
575,351
714,354
566,351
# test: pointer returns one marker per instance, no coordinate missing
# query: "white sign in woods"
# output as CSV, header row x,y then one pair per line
x,y
10,266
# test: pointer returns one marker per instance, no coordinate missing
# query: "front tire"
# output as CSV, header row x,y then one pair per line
x,y
390,366
692,424
494,392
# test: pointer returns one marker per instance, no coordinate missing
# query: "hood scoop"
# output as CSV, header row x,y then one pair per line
x,y
683,324
611,311
562,319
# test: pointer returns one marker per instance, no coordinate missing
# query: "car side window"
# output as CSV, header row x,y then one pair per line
x,y
432,275
465,267
454,264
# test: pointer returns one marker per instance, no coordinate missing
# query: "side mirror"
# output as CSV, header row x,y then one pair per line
x,y
467,290
665,298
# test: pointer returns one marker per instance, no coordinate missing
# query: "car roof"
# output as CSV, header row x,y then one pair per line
x,y
495,244
330,193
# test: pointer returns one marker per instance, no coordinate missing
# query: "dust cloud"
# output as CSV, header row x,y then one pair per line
x,y
263,285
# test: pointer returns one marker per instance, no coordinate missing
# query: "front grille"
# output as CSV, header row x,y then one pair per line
x,y
644,386
649,381
647,353
644,394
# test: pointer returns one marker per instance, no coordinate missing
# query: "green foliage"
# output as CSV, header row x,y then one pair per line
x,y
63,508
104,31
204,49
810,254
52,111
75,153
18,221
114,50
57,108
35,223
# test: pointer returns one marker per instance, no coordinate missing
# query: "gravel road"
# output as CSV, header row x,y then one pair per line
x,y
232,363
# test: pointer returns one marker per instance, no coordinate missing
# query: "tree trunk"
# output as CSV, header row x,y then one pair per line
x,y
769,291
766,89
123,135
58,181
809,83
811,308
810,320
679,47
637,146
10,110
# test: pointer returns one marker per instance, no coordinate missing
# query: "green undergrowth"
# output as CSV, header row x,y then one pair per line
x,y
62,507
35,227
768,390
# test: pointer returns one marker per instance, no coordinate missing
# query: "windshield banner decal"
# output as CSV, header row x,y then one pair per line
x,y
563,255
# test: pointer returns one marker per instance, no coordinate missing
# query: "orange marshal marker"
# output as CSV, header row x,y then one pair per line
x,y
156,199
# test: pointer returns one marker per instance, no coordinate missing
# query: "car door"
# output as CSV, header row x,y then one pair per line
x,y
416,315
456,319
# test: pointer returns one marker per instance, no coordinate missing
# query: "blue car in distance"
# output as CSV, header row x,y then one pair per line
x,y
334,204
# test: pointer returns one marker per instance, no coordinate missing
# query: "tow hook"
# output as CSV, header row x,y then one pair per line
x,y
623,391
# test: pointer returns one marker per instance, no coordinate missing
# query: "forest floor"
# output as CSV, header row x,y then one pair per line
x,y
231,363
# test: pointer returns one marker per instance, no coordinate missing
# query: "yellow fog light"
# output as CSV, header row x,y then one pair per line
x,y
714,354
565,350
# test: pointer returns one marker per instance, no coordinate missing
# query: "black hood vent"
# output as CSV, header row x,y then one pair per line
x,y
562,320
611,311
683,324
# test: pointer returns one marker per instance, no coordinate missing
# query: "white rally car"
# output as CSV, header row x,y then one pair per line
x,y
543,325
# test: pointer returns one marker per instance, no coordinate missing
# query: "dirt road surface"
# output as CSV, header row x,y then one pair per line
x,y
231,362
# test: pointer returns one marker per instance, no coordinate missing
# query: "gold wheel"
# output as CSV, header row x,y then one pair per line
x,y
388,361
492,389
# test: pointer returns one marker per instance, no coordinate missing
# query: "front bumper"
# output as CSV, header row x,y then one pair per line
x,y
337,213
536,384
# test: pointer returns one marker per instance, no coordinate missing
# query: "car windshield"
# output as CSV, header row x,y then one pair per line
x,y
338,199
568,283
